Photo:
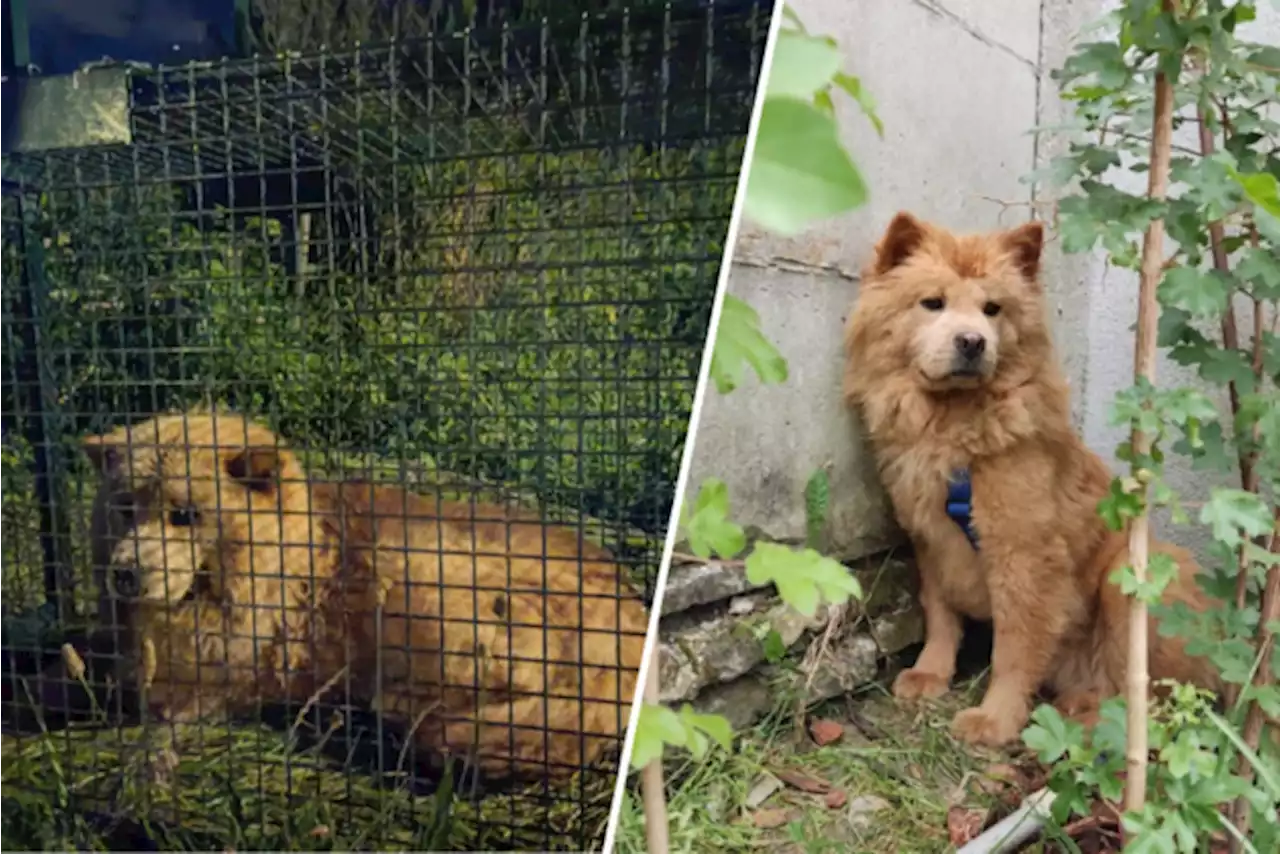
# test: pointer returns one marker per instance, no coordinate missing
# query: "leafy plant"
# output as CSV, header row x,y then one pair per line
x,y
708,528
817,500
786,193
797,145
800,174
660,726
804,578
1192,773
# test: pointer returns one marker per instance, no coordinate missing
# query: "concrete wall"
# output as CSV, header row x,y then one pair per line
x,y
959,83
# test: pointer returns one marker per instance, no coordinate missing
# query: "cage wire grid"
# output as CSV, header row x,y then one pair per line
x,y
478,268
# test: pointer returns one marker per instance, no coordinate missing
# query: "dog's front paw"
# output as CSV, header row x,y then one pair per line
x,y
916,684
982,726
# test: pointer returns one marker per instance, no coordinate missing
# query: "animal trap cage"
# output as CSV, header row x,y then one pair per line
x,y
343,401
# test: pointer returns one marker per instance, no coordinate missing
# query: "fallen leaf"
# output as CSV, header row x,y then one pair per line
x,y
771,817
863,810
835,799
320,831
964,824
825,732
803,782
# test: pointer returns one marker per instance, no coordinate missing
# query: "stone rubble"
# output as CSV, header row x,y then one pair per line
x,y
712,652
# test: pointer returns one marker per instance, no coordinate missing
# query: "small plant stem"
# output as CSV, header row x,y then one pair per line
x,y
1144,367
1230,335
1231,341
1255,718
656,829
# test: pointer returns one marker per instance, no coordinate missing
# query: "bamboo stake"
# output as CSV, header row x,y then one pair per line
x,y
1144,367
656,830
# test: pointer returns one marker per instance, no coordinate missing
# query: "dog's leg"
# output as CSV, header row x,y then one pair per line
x,y
1029,593
195,662
931,675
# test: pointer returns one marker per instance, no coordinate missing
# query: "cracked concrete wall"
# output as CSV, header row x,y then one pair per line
x,y
960,84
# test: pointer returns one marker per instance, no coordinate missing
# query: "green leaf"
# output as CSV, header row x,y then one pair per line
x,y
853,86
1218,366
1262,188
802,65
1103,61
715,727
1161,570
1261,269
1051,735
1266,771
790,16
1118,506
1199,293
739,341
804,578
1231,511
708,529
656,727
1266,696
1185,755
775,648
800,172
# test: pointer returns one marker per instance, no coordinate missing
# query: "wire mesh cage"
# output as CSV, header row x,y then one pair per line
x,y
343,405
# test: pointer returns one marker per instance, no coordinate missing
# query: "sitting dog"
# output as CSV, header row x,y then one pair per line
x,y
950,363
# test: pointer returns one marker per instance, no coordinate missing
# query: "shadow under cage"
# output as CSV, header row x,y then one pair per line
x,y
343,406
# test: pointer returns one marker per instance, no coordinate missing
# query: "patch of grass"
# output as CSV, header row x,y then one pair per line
x,y
249,787
898,768
316,778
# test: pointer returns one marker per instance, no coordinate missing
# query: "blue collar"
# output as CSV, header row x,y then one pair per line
x,y
960,504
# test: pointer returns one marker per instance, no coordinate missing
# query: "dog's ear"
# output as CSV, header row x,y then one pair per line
x,y
900,241
105,450
1025,243
258,469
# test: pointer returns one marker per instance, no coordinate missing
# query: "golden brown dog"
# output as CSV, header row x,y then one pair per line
x,y
494,635
950,362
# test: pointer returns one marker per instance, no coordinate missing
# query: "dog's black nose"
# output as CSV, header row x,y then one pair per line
x,y
970,345
126,583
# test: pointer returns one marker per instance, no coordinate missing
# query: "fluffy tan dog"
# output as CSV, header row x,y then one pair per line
x,y
950,362
499,637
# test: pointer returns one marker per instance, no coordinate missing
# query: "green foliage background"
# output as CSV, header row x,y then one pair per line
x,y
494,290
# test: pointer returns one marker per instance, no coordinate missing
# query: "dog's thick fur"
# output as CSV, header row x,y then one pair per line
x,y
949,360
503,639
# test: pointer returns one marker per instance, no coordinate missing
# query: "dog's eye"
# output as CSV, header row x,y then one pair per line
x,y
933,303
184,517
991,309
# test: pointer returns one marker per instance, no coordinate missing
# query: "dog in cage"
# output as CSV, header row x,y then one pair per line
x,y
238,581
